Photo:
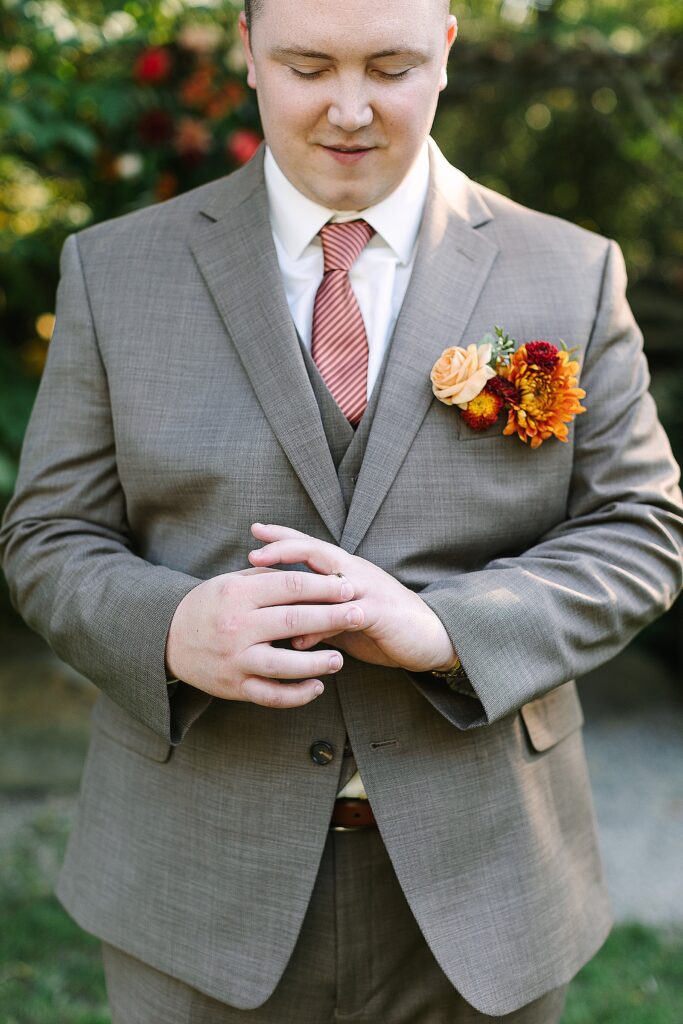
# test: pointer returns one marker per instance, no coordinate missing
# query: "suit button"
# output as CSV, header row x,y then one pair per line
x,y
321,752
347,748
354,479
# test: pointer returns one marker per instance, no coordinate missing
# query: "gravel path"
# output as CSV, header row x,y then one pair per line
x,y
634,744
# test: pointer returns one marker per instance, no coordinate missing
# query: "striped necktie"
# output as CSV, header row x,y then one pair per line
x,y
339,344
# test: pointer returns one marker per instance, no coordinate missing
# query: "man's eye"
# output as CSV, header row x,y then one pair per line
x,y
396,74
305,74
382,74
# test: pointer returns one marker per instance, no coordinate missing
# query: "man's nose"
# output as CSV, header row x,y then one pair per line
x,y
349,108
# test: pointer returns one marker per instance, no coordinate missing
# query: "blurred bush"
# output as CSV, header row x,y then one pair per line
x,y
103,108
576,109
568,106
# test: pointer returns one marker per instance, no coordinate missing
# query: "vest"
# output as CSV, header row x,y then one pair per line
x,y
347,447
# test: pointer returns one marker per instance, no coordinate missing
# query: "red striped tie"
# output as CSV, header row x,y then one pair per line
x,y
339,345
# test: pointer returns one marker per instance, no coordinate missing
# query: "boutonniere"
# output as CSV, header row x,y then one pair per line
x,y
536,383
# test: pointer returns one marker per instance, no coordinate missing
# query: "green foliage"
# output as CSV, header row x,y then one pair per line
x,y
50,970
103,108
636,978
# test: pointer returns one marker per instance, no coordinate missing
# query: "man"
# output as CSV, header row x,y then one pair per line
x,y
199,399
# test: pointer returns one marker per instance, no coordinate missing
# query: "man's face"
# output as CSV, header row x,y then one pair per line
x,y
339,75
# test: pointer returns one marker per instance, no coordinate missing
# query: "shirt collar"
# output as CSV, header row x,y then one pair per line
x,y
296,219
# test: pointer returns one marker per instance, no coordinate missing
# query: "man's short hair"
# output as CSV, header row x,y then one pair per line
x,y
252,9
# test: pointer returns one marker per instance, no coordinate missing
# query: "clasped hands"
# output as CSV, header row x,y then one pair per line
x,y
222,633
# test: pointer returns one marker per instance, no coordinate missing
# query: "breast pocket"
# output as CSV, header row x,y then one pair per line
x,y
125,730
552,717
466,433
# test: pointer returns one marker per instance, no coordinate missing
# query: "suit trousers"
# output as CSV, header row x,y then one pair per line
x,y
359,957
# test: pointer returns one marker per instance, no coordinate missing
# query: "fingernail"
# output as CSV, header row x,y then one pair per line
x,y
335,663
346,591
317,690
353,618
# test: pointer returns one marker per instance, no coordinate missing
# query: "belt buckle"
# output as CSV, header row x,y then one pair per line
x,y
346,828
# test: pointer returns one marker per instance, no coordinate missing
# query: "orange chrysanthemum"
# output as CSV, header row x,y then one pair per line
x,y
548,396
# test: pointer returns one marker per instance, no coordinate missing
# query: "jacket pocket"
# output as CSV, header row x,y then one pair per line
x,y
552,717
467,433
121,727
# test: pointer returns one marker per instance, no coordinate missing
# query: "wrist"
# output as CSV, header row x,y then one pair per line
x,y
442,655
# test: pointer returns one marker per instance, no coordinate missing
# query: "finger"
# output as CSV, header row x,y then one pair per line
x,y
278,663
280,695
272,531
317,554
304,643
273,587
283,623
259,570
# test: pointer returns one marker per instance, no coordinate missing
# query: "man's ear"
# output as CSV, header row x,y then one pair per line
x,y
246,43
451,34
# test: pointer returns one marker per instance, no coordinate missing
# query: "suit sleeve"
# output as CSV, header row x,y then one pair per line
x,y
523,625
70,561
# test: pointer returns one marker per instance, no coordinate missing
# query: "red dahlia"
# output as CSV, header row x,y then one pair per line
x,y
505,389
541,354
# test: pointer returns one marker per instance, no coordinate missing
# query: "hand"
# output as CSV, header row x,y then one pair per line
x,y
397,628
220,638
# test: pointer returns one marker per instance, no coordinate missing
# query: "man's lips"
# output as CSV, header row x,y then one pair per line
x,y
348,154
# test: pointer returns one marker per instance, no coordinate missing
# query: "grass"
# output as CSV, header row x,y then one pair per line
x,y
51,970
636,978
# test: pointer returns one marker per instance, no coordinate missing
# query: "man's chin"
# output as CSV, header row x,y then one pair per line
x,y
345,198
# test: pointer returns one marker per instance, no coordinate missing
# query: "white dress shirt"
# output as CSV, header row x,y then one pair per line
x,y
379,277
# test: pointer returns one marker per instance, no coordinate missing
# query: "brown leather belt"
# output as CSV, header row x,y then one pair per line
x,y
349,813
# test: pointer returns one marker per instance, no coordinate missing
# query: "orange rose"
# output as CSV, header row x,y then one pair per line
x,y
459,374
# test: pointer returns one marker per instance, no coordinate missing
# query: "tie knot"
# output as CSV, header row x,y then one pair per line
x,y
343,243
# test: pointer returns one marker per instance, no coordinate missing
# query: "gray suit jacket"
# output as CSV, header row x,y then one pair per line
x,y
174,410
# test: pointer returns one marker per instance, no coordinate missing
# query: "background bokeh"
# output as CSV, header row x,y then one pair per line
x,y
573,107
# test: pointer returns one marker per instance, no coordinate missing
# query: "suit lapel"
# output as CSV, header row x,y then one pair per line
x,y
233,246
232,243
453,261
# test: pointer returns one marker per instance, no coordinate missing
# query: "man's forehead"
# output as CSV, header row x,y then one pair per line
x,y
328,27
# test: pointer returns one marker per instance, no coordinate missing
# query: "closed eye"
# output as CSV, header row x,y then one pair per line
x,y
317,74
306,74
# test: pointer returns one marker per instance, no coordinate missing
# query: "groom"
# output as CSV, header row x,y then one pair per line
x,y
237,475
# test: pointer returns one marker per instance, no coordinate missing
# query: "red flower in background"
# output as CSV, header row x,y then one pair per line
x,y
166,186
155,127
192,139
242,144
153,66
198,89
228,98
